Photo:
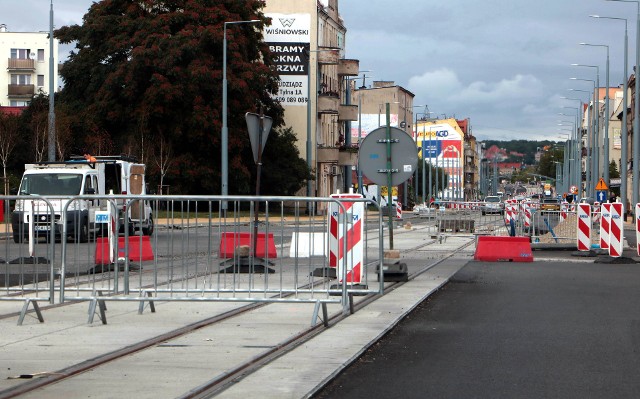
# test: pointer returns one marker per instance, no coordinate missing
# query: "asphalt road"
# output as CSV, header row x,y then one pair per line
x,y
511,330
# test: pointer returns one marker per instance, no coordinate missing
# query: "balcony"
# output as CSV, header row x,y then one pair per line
x,y
328,103
328,57
347,112
348,156
22,91
348,67
16,64
327,154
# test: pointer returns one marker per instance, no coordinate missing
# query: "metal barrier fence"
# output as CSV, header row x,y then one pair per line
x,y
27,272
517,218
479,218
202,248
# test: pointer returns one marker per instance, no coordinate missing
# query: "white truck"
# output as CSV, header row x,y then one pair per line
x,y
88,175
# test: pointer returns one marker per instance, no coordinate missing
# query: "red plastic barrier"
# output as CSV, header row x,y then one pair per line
x,y
139,249
1,211
503,249
229,242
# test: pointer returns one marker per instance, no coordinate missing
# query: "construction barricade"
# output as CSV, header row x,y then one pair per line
x,y
258,249
28,267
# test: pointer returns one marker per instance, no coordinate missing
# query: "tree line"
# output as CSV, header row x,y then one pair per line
x,y
145,80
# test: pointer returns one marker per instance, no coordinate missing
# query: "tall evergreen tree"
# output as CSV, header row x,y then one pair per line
x,y
150,68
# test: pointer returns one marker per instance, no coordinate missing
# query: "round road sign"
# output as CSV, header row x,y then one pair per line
x,y
373,156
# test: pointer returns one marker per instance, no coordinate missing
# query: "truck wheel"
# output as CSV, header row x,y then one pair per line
x,y
147,231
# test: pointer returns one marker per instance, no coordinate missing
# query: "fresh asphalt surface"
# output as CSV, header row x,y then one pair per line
x,y
547,329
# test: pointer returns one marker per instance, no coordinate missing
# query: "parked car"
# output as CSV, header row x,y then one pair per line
x,y
492,204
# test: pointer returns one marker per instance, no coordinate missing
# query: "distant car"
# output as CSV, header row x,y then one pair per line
x,y
421,210
587,200
492,204
549,204
535,197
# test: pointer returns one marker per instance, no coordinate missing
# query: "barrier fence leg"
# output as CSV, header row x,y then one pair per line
x,y
92,310
316,310
36,308
152,306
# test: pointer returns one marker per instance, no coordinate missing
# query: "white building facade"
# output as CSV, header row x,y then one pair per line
x,y
24,60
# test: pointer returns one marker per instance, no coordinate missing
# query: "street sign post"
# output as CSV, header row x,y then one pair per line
x,y
601,191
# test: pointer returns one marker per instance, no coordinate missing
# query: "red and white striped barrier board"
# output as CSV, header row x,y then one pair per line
x,y
398,210
596,213
526,211
353,259
564,207
605,222
638,228
584,227
616,230
510,210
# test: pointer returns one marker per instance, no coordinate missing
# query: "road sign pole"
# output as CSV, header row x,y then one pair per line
x,y
389,190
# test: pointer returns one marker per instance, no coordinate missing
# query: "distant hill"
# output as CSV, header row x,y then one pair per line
x,y
519,150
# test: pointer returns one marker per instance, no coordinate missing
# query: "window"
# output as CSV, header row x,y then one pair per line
x,y
20,79
40,80
14,103
20,53
40,55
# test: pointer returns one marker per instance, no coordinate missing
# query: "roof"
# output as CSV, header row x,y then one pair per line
x,y
12,110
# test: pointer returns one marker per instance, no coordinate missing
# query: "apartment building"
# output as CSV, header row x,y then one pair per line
x,y
25,58
308,38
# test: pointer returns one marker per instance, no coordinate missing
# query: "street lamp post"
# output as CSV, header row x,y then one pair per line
x,y
636,118
224,148
577,147
415,174
595,145
625,133
347,128
587,165
605,156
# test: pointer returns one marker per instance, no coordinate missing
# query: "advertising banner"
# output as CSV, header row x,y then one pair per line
x,y
442,144
371,122
288,38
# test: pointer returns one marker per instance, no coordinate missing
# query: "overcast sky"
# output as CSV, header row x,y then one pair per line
x,y
505,64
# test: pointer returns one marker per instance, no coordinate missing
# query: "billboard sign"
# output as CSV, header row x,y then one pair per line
x,y
288,38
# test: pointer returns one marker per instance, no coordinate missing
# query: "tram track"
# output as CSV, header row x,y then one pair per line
x,y
219,383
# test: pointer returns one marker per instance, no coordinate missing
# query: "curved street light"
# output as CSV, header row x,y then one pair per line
x,y
224,142
605,156
625,132
595,141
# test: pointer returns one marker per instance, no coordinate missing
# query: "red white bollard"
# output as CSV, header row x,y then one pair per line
x,y
354,258
398,210
527,215
596,213
616,232
584,227
564,207
605,222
